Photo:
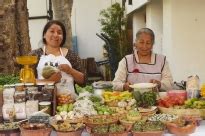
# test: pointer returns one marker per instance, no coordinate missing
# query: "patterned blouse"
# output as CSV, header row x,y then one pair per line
x,y
70,56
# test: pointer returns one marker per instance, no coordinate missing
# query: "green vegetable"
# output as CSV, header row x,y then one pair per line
x,y
48,71
145,99
137,96
9,79
95,98
195,103
133,113
87,88
148,126
70,107
65,107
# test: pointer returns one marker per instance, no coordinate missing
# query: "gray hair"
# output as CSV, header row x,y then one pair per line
x,y
147,31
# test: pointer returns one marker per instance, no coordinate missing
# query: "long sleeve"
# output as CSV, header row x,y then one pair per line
x,y
167,80
120,76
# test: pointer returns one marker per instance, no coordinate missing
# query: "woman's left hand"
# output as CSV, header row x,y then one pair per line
x,y
154,81
65,68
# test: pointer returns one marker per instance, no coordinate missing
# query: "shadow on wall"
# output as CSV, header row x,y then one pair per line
x,y
74,47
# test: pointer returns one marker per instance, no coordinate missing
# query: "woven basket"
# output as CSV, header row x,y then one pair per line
x,y
37,132
183,112
89,121
126,124
72,133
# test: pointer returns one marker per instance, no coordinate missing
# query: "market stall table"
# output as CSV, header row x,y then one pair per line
x,y
200,131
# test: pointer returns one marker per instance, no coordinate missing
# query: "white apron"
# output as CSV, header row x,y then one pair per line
x,y
55,61
143,73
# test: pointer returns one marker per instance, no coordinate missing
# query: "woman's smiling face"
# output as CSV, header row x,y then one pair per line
x,y
144,44
54,36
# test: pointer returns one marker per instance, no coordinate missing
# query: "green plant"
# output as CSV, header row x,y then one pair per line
x,y
113,26
8,79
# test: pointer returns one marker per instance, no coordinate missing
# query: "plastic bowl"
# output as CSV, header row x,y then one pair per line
x,y
174,93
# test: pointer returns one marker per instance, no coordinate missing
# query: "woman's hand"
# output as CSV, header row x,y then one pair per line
x,y
78,76
156,82
56,77
65,68
126,86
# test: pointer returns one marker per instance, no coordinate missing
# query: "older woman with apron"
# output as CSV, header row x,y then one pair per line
x,y
143,66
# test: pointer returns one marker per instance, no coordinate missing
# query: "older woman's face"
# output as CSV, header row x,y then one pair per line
x,y
144,44
54,36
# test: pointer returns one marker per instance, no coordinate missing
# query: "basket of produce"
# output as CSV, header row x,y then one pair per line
x,y
126,123
112,98
198,119
181,127
149,111
133,115
35,129
108,130
152,128
164,118
9,129
183,112
64,128
100,120
145,99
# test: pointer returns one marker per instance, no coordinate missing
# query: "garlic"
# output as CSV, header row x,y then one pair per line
x,y
122,104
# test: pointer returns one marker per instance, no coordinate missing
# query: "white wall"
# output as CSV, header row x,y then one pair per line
x,y
36,8
85,25
136,4
180,26
187,37
154,21
138,21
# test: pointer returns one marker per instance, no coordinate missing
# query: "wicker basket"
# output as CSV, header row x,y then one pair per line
x,y
71,133
90,120
183,112
37,132
149,112
126,124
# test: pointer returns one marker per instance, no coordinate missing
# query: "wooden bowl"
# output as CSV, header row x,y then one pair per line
x,y
100,120
185,130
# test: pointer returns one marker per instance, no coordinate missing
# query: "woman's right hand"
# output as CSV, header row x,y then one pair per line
x,y
56,77
126,87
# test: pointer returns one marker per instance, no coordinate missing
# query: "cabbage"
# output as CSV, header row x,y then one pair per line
x,y
48,71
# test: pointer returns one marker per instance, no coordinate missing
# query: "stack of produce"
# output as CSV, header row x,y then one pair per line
x,y
112,129
155,128
118,99
145,99
65,128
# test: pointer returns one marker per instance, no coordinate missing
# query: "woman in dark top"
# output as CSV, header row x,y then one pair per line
x,y
52,53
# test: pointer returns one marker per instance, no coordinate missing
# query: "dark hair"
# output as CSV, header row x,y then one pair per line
x,y
49,24
147,31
